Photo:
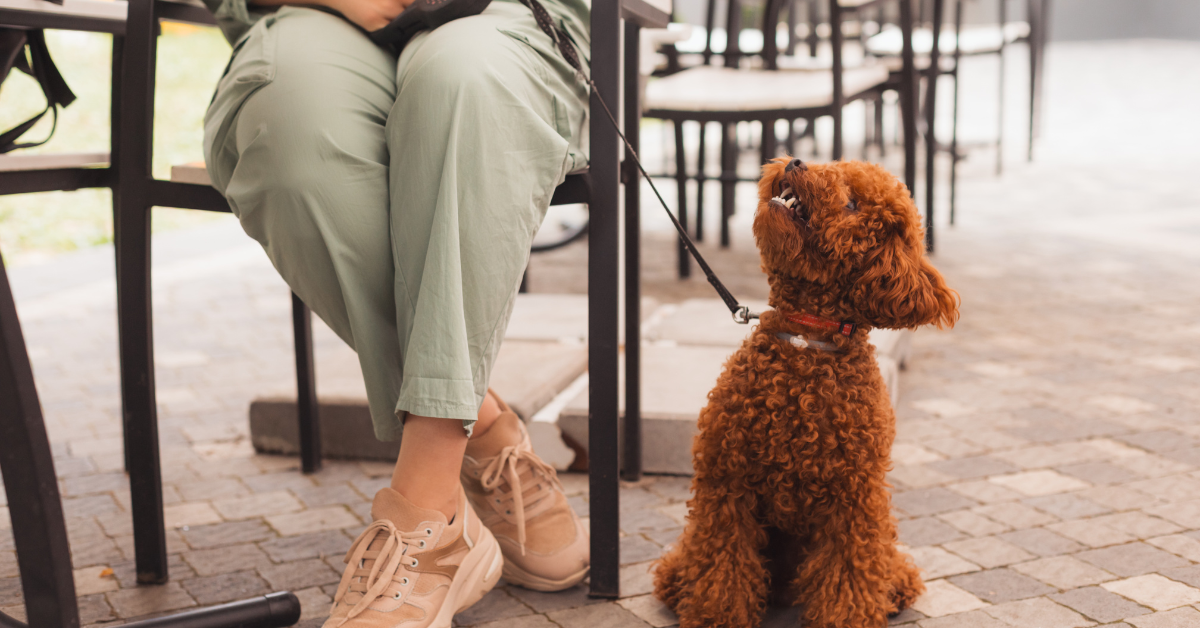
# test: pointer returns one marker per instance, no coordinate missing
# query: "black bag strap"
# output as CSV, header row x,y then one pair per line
x,y
39,65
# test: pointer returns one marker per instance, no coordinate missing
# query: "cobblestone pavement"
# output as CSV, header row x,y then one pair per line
x,y
1047,466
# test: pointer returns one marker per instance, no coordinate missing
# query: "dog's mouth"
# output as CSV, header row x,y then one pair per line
x,y
787,202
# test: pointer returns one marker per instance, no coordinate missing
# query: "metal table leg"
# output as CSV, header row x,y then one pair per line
x,y
631,467
603,300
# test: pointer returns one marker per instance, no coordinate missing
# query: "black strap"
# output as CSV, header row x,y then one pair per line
x,y
741,313
40,66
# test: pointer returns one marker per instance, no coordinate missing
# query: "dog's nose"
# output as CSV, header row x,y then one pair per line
x,y
793,165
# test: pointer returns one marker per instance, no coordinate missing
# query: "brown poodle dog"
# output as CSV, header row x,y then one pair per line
x,y
789,491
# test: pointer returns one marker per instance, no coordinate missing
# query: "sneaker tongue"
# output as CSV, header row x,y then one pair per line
x,y
396,508
505,432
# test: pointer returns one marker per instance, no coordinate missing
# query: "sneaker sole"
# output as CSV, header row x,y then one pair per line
x,y
479,572
518,576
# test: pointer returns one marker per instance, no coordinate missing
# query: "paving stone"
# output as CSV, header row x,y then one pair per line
x,y
277,482
664,537
1138,524
1132,559
952,447
232,533
93,483
1035,483
94,609
599,616
496,605
1171,488
1067,506
314,520
650,610
973,523
314,545
1159,441
942,598
209,562
298,574
636,579
217,488
1186,514
89,506
89,580
315,605
646,520
930,501
936,562
1099,473
146,599
1090,533
126,572
189,514
1153,466
636,549
257,505
1099,605
907,616
549,602
225,587
1000,585
1064,572
531,621
989,551
1118,497
970,619
1039,612
1154,591
1186,617
972,467
1041,541
917,476
1189,575
984,491
926,531
1015,515
327,495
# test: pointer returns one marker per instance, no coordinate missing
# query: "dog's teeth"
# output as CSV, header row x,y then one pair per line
x,y
787,191
790,202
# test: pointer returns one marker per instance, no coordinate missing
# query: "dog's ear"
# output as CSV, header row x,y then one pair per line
x,y
899,288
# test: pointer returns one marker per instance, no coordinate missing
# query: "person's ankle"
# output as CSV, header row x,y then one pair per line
x,y
430,500
489,411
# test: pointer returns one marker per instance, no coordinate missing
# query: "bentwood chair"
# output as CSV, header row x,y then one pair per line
x,y
134,25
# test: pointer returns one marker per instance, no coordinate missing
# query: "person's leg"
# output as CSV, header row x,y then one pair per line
x,y
486,124
295,139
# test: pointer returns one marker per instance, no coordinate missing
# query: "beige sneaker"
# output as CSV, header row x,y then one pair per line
x,y
411,569
521,501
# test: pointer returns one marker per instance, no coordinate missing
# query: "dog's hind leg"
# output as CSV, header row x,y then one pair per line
x,y
716,577
846,580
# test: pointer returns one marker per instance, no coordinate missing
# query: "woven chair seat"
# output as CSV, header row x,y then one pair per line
x,y
717,89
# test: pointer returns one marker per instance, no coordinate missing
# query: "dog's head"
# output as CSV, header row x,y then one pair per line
x,y
847,234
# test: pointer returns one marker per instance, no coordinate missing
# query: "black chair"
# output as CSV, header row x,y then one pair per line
x,y
136,191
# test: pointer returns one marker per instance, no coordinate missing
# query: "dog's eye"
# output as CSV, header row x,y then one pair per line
x,y
852,206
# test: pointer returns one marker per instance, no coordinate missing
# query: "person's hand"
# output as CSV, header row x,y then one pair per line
x,y
372,15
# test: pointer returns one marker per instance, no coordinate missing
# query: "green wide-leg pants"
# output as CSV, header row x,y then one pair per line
x,y
399,197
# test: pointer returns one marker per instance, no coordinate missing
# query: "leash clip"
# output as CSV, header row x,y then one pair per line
x,y
743,315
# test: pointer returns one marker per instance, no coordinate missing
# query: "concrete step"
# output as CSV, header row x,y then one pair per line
x,y
544,352
685,348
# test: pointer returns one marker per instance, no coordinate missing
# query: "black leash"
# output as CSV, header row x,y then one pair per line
x,y
741,314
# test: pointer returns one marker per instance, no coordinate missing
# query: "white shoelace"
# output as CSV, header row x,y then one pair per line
x,y
504,466
371,583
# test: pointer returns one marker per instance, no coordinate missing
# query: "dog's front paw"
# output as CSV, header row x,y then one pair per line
x,y
668,582
907,585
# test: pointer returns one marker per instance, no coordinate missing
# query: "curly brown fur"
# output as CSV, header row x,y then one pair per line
x,y
790,498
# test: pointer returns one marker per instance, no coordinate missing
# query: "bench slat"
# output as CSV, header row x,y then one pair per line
x,y
15,163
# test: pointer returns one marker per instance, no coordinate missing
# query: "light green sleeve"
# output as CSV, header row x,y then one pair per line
x,y
235,17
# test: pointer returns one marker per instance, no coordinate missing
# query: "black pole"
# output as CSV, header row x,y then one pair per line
x,y
631,459
306,388
930,119
39,532
603,306
131,235
835,42
908,97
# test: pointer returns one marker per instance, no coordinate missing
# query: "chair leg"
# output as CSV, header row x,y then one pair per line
x,y
307,406
954,150
685,261
878,134
38,529
729,151
701,179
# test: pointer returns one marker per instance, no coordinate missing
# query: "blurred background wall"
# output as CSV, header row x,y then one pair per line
x,y
1071,20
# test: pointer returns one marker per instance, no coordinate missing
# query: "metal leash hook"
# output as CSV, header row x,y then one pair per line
x,y
743,315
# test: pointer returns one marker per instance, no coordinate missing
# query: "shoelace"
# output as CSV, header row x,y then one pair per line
x,y
507,461
382,572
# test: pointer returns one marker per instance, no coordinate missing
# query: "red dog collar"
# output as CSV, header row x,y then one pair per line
x,y
842,327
